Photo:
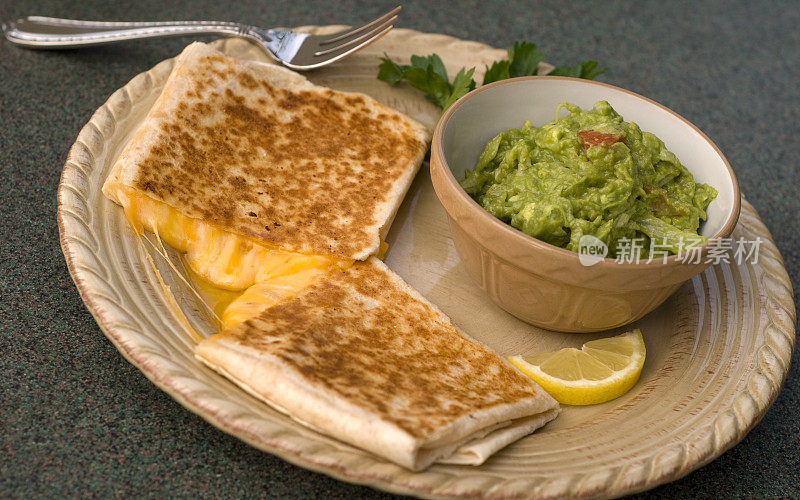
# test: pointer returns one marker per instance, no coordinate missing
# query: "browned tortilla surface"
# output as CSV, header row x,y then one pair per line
x,y
258,150
367,338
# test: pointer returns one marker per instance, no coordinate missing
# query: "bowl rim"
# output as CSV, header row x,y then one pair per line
x,y
510,231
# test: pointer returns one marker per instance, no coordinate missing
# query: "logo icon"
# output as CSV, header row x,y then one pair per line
x,y
591,250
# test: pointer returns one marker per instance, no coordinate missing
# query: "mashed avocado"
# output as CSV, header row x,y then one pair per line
x,y
590,173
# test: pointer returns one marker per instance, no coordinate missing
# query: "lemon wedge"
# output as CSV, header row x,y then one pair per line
x,y
600,371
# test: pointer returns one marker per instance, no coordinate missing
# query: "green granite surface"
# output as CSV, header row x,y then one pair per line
x,y
77,420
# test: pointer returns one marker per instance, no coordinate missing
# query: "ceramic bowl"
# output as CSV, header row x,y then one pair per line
x,y
542,284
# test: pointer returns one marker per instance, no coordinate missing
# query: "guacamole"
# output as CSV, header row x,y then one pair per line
x,y
591,173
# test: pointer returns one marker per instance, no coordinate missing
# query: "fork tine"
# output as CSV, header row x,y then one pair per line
x,y
347,51
360,41
336,37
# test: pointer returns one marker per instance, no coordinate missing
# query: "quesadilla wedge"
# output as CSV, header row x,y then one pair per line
x,y
259,151
278,193
363,357
260,177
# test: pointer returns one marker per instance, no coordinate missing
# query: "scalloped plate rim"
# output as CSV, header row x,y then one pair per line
x,y
99,308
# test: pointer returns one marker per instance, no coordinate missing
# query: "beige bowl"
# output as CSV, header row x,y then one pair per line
x,y
540,283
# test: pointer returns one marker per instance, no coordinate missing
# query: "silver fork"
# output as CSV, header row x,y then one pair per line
x,y
295,50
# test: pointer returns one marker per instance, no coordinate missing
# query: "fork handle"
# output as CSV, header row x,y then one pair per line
x,y
52,33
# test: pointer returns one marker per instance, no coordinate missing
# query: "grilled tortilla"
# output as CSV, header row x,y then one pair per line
x,y
259,151
272,188
363,357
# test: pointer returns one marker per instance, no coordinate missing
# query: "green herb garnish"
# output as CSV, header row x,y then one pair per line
x,y
586,69
429,75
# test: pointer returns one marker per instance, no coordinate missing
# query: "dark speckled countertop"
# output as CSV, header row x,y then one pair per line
x,y
78,420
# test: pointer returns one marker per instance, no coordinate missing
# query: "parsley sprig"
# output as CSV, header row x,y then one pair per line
x,y
429,75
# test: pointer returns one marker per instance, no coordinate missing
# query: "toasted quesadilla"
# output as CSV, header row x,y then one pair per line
x,y
278,193
260,177
363,357
257,150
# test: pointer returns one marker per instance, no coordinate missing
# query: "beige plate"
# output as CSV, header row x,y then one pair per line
x,y
717,351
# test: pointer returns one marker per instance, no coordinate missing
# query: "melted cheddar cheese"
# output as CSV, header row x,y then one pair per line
x,y
268,293
236,276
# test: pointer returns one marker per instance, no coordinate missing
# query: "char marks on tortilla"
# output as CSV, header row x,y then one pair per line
x,y
366,336
323,171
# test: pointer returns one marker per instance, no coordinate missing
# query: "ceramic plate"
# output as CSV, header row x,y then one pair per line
x,y
717,351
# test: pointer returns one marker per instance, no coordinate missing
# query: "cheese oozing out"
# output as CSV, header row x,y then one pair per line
x,y
237,276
